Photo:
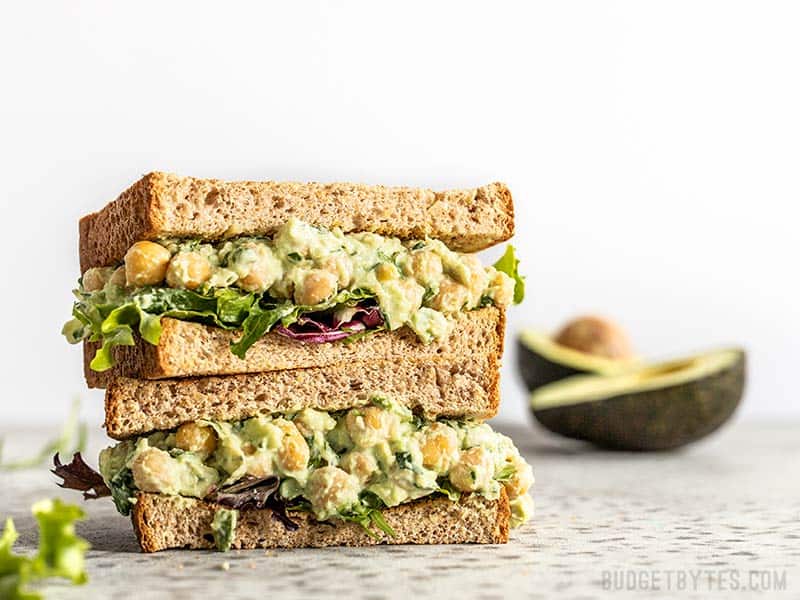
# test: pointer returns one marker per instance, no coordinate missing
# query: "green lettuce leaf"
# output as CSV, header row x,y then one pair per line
x,y
367,513
15,570
509,264
122,490
61,551
259,321
112,317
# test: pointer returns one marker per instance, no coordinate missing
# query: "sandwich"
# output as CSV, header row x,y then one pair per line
x,y
376,473
291,365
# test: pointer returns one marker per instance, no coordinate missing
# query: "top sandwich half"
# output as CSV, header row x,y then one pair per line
x,y
164,205
311,263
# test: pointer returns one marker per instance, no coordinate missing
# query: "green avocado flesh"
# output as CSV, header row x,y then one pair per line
x,y
542,361
655,407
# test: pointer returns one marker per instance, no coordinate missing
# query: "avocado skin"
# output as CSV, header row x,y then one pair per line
x,y
536,370
659,419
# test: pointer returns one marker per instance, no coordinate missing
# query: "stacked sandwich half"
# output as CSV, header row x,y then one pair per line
x,y
292,365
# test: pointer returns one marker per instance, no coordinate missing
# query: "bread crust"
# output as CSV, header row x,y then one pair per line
x,y
191,349
163,522
163,205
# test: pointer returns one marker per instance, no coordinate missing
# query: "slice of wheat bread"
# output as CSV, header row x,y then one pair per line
x,y
463,388
163,522
190,349
165,205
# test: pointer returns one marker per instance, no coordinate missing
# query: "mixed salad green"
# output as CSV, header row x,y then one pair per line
x,y
61,552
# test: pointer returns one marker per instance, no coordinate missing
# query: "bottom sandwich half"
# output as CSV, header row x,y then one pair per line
x,y
370,474
164,522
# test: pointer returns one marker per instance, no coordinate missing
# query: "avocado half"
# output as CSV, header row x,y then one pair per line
x,y
542,361
656,407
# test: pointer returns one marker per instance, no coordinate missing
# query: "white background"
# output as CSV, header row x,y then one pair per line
x,y
652,149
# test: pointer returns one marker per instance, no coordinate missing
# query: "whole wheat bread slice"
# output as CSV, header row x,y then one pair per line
x,y
165,205
163,522
190,349
464,388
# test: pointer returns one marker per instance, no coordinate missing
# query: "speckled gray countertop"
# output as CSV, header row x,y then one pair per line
x,y
718,519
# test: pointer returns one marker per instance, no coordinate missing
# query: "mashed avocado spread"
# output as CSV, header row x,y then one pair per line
x,y
337,465
303,276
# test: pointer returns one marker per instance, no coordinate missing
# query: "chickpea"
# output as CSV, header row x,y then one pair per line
x,y
477,278
257,267
473,471
188,270
439,448
196,438
521,481
341,266
293,453
451,296
359,464
400,299
386,272
152,471
95,279
426,267
259,463
146,264
369,426
501,287
308,421
330,489
118,277
317,287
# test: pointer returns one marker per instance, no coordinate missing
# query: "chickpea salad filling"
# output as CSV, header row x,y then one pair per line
x,y
308,283
344,465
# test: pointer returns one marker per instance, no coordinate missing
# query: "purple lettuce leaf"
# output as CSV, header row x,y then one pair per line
x,y
321,328
77,475
255,493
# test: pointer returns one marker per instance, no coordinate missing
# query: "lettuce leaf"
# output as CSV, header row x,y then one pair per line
x,y
114,317
509,264
15,570
367,513
61,551
77,475
259,321
122,490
